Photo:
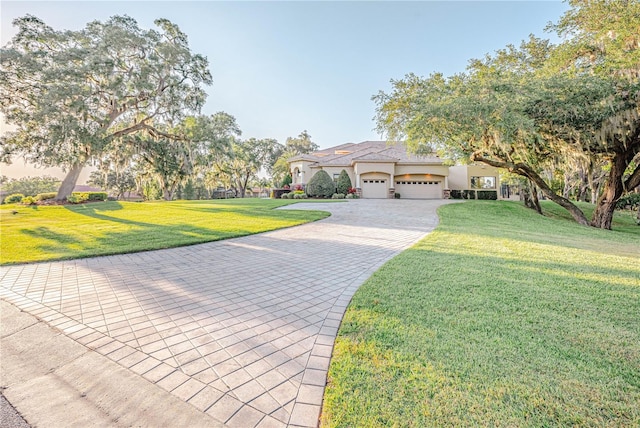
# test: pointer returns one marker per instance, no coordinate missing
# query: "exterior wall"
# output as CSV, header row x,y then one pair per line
x,y
422,169
458,179
482,170
460,176
305,172
366,167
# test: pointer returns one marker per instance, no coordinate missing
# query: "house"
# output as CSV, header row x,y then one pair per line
x,y
379,169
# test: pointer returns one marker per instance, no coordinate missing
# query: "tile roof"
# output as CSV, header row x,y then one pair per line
x,y
366,151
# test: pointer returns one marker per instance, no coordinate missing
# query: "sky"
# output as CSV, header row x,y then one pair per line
x,y
281,67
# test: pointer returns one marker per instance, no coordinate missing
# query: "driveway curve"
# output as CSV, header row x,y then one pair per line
x,y
242,330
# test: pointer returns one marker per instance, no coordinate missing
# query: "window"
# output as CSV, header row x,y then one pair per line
x,y
483,182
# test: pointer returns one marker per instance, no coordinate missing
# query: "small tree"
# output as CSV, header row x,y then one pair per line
x,y
321,185
344,182
287,180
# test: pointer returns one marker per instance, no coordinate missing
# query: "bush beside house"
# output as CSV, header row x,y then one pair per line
x,y
321,185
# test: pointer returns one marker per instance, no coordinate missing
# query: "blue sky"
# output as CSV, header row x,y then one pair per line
x,y
282,67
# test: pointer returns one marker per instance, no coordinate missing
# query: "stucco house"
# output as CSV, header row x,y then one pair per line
x,y
379,169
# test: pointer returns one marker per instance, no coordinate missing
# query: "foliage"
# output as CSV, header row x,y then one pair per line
x,y
351,196
352,190
456,194
31,186
117,181
487,194
78,197
73,93
301,144
321,185
519,305
14,198
344,182
540,107
469,194
241,164
338,196
287,195
286,181
45,196
299,196
29,200
630,201
74,231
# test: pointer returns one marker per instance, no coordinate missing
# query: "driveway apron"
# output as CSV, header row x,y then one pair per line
x,y
241,329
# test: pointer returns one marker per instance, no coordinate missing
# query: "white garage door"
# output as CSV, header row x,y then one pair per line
x,y
374,188
419,189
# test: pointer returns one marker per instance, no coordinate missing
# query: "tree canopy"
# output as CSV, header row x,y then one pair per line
x,y
71,94
534,108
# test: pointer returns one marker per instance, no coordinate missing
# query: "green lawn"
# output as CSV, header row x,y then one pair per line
x,y
38,233
500,317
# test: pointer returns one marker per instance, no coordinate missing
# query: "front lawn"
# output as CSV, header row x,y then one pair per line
x,y
500,317
39,233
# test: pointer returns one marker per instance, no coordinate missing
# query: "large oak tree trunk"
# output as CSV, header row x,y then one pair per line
x,y
613,190
69,182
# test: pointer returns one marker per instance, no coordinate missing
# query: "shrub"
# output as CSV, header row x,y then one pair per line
x,y
28,200
16,198
488,194
630,201
456,194
344,182
299,195
351,196
468,194
298,192
96,196
286,181
45,196
78,197
351,190
321,185
337,196
396,195
285,196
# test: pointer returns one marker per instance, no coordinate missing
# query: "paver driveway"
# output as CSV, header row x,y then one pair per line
x,y
241,329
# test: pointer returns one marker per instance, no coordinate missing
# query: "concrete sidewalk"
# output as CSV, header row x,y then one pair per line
x,y
237,332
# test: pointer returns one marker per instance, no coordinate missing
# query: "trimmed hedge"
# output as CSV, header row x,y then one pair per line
x,y
45,196
16,198
488,194
456,194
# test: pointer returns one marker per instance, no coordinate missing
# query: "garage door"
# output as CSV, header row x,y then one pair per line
x,y
375,188
419,189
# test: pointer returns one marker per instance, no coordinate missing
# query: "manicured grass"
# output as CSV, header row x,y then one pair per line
x,y
41,233
500,317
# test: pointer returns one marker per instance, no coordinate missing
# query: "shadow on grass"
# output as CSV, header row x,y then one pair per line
x,y
114,235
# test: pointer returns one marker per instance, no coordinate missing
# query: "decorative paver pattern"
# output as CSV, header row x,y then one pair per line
x,y
242,329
